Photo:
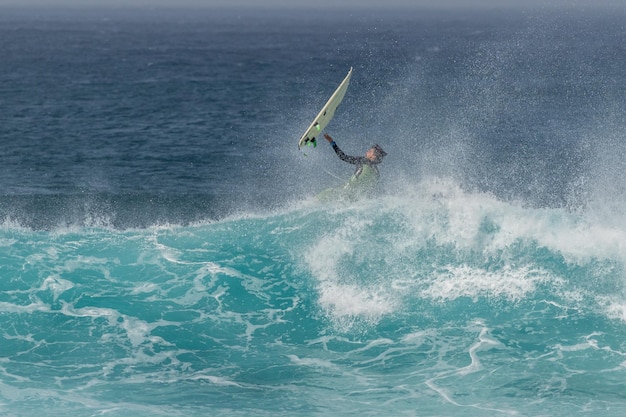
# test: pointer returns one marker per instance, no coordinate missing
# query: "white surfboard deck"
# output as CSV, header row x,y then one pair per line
x,y
326,114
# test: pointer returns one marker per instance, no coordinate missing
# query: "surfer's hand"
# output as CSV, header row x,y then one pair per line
x,y
328,138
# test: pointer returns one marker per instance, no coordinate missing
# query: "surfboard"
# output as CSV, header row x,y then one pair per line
x,y
325,115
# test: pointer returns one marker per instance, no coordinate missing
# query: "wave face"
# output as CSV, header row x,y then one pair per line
x,y
161,253
438,300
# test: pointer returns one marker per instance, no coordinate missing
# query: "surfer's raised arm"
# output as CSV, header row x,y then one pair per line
x,y
373,156
354,160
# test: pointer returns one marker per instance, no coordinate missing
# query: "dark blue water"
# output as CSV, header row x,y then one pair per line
x,y
161,252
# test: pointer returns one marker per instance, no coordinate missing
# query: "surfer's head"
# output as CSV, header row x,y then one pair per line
x,y
375,154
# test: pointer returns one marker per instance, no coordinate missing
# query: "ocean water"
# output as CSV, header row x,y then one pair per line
x,y
162,254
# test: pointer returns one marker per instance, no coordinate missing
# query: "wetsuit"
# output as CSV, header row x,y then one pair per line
x,y
359,161
364,181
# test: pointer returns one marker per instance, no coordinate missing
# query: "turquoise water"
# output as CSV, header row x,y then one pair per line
x,y
439,302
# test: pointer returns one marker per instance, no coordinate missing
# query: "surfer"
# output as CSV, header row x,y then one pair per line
x,y
366,176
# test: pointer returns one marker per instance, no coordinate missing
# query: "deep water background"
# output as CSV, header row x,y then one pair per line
x,y
161,252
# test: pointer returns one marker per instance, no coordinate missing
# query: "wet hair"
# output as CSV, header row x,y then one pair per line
x,y
380,153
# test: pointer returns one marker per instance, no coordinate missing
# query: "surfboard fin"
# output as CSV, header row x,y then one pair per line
x,y
309,142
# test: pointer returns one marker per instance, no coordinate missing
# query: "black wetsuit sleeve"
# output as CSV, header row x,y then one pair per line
x,y
354,160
